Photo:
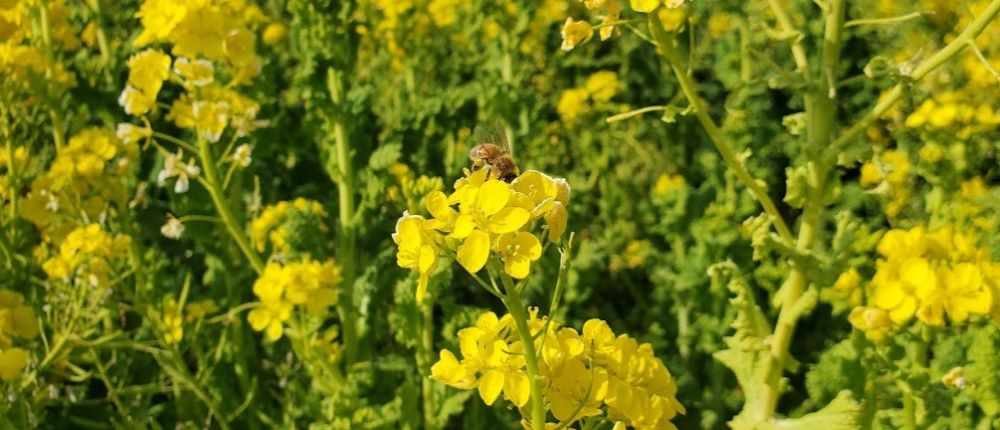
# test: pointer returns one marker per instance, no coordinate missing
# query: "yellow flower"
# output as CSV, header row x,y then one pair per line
x,y
308,284
931,152
417,248
12,361
518,250
874,322
602,85
274,33
270,317
16,318
443,12
197,73
955,378
645,5
173,326
573,103
575,33
932,275
870,175
666,183
580,373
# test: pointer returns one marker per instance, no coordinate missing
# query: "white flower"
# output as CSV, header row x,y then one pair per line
x,y
173,229
174,165
131,133
241,156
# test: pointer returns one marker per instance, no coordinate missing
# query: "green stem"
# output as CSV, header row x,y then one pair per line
x,y
729,155
890,98
214,187
520,315
821,128
57,121
346,240
799,55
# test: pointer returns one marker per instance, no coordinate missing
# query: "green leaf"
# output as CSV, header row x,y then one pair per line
x,y
838,368
384,156
841,414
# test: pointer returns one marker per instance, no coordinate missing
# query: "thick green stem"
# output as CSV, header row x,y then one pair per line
x,y
520,315
729,155
57,122
346,239
822,124
890,98
214,186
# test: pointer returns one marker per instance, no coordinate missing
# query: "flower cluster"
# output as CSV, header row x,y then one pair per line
x,y
86,256
20,59
206,107
17,320
84,176
492,217
173,316
220,31
576,33
584,374
948,111
280,288
286,224
929,275
599,88
889,175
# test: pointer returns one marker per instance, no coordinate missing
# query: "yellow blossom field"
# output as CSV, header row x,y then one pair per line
x,y
500,214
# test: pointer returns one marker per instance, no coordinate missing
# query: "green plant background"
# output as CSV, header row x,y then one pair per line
x,y
663,265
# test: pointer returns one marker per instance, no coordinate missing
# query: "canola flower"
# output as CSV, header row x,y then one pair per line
x,y
275,225
575,33
17,321
585,374
84,177
86,256
598,89
282,288
889,175
929,275
493,218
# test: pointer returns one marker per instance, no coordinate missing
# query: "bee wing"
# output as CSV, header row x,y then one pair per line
x,y
494,133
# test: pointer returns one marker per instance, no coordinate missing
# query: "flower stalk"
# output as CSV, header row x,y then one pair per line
x,y
729,156
214,186
519,313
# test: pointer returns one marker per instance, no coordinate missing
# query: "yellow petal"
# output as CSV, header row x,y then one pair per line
x,y
493,196
645,5
464,225
259,318
509,219
516,388
490,386
556,220
12,361
888,295
473,253
422,282
275,330
517,266
437,205
428,259
905,310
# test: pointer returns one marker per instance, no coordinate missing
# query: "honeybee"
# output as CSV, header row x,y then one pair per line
x,y
493,153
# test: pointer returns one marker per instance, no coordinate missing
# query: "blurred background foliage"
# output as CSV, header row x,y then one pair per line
x,y
654,208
